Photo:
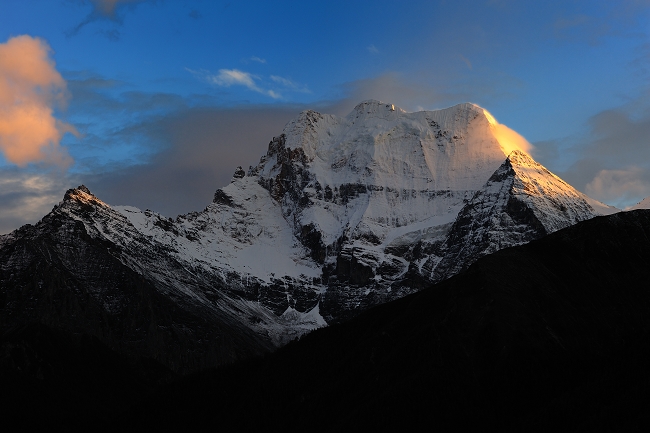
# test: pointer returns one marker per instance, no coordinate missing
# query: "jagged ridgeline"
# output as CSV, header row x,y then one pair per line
x,y
342,213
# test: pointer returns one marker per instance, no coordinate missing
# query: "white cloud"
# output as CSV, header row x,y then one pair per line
x,y
257,59
372,49
26,196
620,186
234,77
228,77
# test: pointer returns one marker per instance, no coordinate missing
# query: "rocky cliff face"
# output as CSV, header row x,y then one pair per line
x,y
340,214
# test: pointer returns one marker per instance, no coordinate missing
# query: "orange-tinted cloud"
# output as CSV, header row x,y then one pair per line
x,y
107,7
508,139
30,88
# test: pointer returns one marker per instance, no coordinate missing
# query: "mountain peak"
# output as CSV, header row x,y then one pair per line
x,y
239,173
520,158
373,105
520,202
81,190
83,195
518,154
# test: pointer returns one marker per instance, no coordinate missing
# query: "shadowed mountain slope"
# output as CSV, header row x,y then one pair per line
x,y
64,274
57,380
552,334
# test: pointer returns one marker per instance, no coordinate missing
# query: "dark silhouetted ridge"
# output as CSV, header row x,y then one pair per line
x,y
552,335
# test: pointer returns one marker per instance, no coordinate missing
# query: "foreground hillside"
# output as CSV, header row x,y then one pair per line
x,y
550,334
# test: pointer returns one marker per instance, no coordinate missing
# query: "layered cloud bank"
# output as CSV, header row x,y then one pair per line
x,y
30,89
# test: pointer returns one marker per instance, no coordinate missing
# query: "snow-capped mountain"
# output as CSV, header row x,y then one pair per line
x,y
520,202
342,213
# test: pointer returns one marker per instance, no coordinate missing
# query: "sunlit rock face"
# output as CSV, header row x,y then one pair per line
x,y
342,213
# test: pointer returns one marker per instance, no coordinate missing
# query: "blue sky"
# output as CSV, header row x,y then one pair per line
x,y
157,102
